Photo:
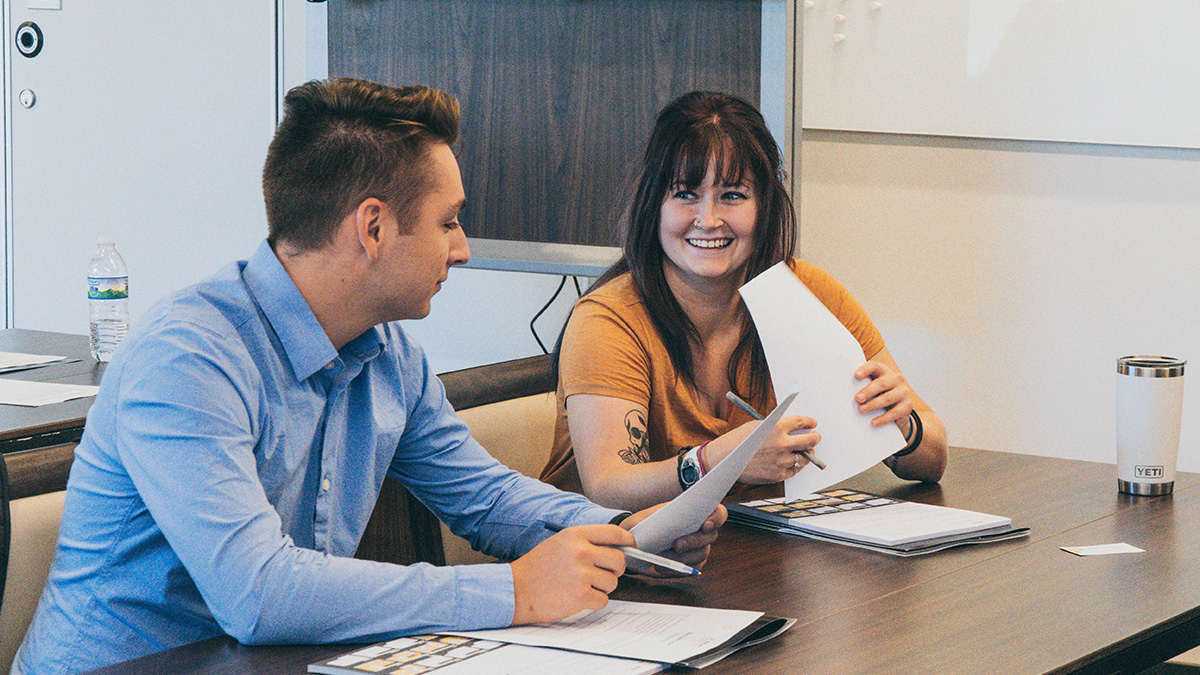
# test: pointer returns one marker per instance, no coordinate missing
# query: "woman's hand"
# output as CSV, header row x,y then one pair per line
x,y
887,391
690,549
890,392
779,457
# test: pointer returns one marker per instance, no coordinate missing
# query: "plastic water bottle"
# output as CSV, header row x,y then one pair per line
x,y
108,299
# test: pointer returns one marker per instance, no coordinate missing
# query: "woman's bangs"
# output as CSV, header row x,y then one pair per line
x,y
707,149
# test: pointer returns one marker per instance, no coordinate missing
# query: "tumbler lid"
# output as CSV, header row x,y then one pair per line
x,y
1150,366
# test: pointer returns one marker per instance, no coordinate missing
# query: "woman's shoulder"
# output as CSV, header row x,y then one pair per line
x,y
608,312
821,283
806,270
837,298
618,294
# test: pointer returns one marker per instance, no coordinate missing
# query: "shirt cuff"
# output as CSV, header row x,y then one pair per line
x,y
485,596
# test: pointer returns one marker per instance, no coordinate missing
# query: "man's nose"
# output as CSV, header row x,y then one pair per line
x,y
460,251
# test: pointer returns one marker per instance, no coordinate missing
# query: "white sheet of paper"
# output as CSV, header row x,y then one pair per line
x,y
33,394
13,361
811,353
633,630
686,513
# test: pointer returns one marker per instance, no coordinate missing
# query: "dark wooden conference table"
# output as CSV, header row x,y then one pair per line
x,y
1014,607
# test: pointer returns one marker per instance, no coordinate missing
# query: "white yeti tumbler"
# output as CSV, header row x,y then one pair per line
x,y
1149,407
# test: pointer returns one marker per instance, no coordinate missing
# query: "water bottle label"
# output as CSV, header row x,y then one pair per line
x,y
108,288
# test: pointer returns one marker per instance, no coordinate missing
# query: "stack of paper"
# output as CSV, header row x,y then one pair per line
x,y
624,637
878,523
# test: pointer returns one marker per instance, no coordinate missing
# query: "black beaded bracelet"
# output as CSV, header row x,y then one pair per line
x,y
917,433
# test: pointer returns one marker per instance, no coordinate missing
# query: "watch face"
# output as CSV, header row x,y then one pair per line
x,y
690,472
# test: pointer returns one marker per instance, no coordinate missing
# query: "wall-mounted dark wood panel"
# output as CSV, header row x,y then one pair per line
x,y
558,96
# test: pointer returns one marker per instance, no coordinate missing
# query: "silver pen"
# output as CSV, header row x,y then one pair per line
x,y
734,399
657,560
639,554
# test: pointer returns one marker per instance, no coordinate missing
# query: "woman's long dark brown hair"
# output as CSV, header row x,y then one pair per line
x,y
695,131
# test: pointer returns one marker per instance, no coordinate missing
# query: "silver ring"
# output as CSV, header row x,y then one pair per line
x,y
796,463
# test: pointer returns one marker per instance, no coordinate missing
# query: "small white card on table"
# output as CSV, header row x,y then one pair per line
x,y
1102,549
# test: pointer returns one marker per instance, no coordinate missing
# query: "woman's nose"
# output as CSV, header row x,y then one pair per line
x,y
706,215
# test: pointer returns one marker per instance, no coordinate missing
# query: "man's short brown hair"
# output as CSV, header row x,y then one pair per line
x,y
345,140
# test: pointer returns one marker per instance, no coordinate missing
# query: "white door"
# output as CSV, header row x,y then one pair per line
x,y
150,121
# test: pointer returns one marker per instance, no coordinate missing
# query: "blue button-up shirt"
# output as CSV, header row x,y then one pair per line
x,y
226,474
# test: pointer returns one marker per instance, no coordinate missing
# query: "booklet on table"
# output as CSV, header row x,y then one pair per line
x,y
873,522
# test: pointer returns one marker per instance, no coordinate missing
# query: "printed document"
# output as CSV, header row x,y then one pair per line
x,y
811,353
634,630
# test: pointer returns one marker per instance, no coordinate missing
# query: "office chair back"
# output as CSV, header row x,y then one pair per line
x,y
511,409
33,484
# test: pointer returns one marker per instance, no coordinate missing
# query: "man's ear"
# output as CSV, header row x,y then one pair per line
x,y
368,225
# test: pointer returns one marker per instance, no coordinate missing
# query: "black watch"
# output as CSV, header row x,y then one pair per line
x,y
689,468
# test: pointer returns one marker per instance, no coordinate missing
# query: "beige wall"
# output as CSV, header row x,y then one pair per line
x,y
1007,276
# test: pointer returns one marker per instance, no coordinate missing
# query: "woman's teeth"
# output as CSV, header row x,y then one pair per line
x,y
710,243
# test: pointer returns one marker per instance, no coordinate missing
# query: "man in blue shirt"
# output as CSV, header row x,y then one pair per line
x,y
243,430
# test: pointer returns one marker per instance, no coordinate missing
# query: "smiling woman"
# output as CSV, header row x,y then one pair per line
x,y
707,231
663,335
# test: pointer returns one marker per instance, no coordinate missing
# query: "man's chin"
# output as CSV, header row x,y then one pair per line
x,y
422,312
411,313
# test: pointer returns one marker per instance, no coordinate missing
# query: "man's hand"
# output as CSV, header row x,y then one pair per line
x,y
690,549
571,571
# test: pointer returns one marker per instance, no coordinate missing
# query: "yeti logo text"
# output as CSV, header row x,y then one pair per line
x,y
1148,471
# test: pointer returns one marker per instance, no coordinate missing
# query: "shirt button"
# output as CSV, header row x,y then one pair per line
x,y
325,485
330,365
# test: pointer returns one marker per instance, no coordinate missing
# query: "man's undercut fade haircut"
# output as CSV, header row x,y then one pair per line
x,y
345,140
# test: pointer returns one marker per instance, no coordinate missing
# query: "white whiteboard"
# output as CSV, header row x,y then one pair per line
x,y
1090,71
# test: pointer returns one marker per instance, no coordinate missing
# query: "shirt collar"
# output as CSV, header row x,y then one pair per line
x,y
300,335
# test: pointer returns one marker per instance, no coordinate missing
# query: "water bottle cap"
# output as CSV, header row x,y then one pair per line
x,y
106,241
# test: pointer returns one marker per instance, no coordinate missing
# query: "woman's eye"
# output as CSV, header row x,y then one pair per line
x,y
734,196
684,194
